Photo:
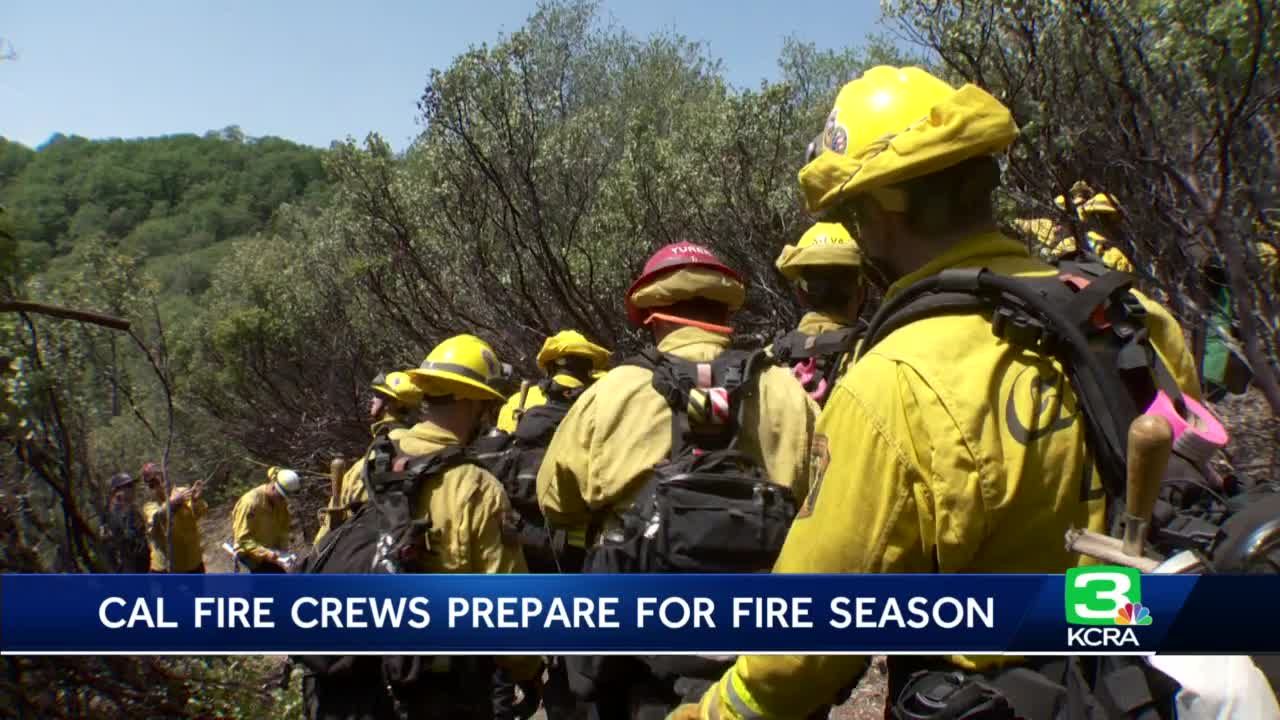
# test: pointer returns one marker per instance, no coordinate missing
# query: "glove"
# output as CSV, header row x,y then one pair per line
x,y
688,711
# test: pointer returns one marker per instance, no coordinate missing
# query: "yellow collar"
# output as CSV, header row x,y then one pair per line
x,y
816,323
686,336
430,432
967,253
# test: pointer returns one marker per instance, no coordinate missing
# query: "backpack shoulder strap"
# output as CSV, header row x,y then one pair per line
x,y
389,472
1087,317
736,370
795,345
394,482
789,346
422,467
951,292
538,424
648,358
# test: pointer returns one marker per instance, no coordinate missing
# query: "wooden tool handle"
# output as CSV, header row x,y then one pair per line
x,y
337,469
1150,444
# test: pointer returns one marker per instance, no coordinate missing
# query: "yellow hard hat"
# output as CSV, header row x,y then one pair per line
x,y
398,387
463,366
1101,204
894,124
822,245
1061,202
571,342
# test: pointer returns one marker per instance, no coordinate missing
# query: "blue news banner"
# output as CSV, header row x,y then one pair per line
x,y
1099,610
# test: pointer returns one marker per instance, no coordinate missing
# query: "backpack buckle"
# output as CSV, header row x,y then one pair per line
x,y
1020,329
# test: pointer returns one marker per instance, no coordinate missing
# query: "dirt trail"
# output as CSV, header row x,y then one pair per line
x,y
215,529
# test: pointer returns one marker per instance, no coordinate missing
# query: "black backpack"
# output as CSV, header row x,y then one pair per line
x,y
817,361
515,459
707,508
381,536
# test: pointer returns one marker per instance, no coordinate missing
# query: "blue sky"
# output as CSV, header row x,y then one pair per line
x,y
321,70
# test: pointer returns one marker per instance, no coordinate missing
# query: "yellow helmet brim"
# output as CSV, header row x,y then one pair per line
x,y
455,380
795,260
571,342
688,284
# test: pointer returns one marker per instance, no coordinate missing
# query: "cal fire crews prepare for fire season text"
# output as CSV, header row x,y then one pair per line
x,y
964,424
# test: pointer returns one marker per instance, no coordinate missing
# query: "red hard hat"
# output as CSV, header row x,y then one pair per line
x,y
668,259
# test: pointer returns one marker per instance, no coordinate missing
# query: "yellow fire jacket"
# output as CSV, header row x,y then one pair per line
x,y
941,450
1110,255
620,428
188,551
466,506
260,524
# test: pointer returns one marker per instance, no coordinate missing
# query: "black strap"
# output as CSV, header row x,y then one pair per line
x,y
796,345
538,424
833,350
1105,369
674,378
1099,290
392,490
931,305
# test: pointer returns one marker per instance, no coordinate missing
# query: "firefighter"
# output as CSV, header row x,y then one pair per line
x,y
606,448
570,363
826,268
180,510
943,449
464,506
124,532
260,522
395,400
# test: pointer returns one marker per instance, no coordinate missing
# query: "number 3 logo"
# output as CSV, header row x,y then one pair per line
x,y
1096,594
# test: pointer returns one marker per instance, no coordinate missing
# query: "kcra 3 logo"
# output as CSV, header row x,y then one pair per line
x,y
1104,602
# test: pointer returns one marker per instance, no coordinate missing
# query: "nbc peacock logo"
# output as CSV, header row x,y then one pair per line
x,y
1133,614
